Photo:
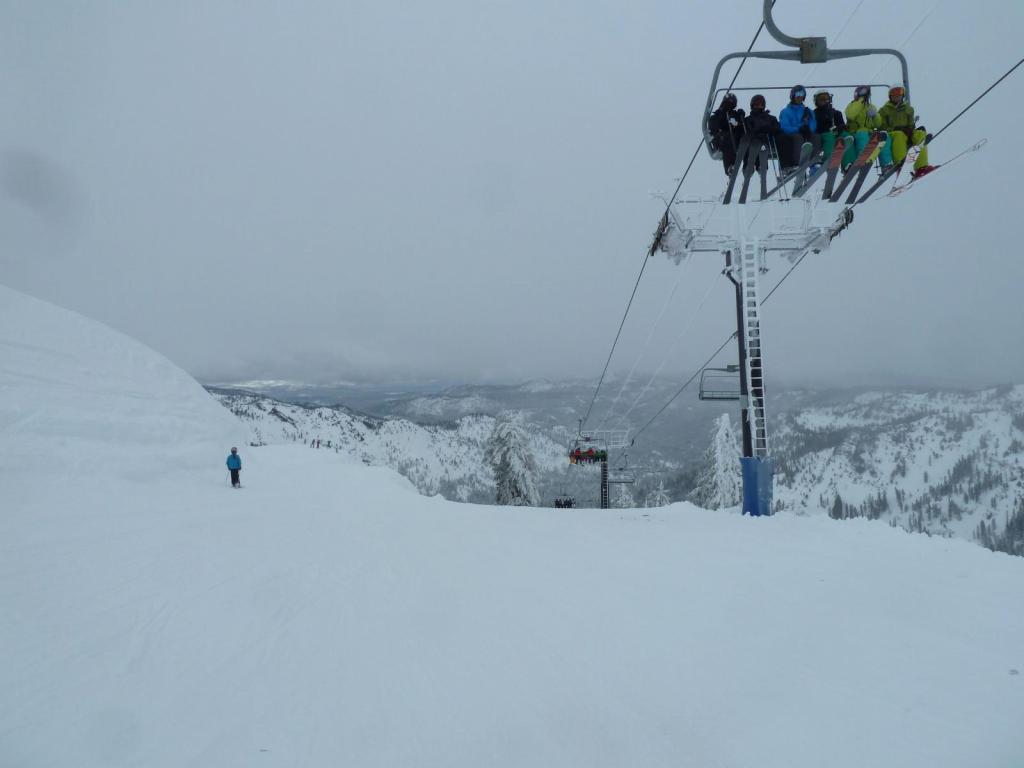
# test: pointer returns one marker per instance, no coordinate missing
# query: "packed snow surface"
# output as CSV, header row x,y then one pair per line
x,y
328,615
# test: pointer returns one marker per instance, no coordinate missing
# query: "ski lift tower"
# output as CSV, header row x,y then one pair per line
x,y
744,235
603,441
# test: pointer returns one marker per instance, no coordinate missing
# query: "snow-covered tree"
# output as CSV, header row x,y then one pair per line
x,y
622,497
720,483
508,453
659,496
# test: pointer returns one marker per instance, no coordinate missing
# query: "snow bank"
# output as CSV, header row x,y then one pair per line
x,y
77,396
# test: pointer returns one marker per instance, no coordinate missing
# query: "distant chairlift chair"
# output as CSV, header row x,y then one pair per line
x,y
720,383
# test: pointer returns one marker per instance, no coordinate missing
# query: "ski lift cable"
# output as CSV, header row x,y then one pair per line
x,y
909,37
835,38
653,247
714,354
668,352
643,350
682,388
983,94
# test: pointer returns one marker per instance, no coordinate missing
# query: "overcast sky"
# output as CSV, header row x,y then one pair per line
x,y
461,189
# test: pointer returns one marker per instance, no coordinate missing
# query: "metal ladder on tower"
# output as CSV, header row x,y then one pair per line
x,y
750,257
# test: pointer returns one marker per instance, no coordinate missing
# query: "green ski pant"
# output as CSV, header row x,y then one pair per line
x,y
899,147
860,140
828,143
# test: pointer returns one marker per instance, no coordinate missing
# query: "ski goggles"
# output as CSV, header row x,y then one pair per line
x,y
862,90
798,93
897,93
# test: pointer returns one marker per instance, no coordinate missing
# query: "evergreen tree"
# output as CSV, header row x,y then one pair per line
x,y
622,497
720,483
508,453
658,497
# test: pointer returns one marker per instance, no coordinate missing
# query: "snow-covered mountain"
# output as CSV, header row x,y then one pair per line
x,y
945,463
437,458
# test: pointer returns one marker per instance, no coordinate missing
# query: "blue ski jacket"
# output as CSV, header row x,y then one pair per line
x,y
234,461
796,116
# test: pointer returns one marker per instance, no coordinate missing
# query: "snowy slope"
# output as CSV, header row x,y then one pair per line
x,y
446,459
329,615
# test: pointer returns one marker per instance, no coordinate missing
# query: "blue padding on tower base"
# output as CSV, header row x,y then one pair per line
x,y
757,485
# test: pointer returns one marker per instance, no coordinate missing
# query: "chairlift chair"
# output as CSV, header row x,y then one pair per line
x,y
810,50
622,474
754,156
720,383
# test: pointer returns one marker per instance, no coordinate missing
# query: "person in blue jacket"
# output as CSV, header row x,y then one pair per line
x,y
798,125
235,466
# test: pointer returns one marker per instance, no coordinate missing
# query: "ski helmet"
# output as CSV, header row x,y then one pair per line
x,y
797,92
821,98
757,102
862,90
897,94
729,101
234,450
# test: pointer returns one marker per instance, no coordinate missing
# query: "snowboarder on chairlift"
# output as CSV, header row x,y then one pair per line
x,y
862,120
761,124
897,117
726,126
234,467
831,123
798,126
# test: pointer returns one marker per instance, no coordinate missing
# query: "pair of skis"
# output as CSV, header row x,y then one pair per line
x,y
857,173
896,168
749,153
747,156
899,189
912,155
829,169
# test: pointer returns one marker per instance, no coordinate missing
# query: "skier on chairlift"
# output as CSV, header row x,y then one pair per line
x,y
798,126
862,120
761,124
831,123
897,117
726,126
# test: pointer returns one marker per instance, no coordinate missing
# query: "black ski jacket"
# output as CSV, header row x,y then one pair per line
x,y
829,117
722,123
762,124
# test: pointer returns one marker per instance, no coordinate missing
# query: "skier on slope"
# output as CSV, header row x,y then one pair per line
x,y
798,126
761,124
861,120
234,467
831,123
726,126
897,117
